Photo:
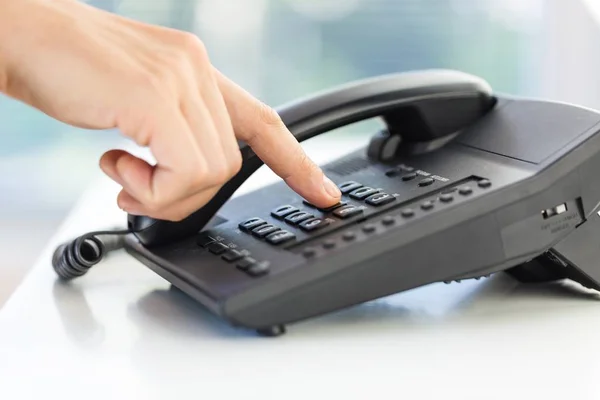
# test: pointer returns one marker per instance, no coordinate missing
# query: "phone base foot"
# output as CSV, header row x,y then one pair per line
x,y
271,331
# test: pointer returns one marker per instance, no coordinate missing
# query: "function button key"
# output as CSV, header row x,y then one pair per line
x,y
205,240
451,190
406,168
298,217
245,263
259,269
329,209
369,228
428,205
349,186
409,177
283,211
217,248
232,255
251,223
264,230
426,182
364,192
446,198
379,199
465,191
407,213
309,252
484,183
314,224
389,220
280,237
347,211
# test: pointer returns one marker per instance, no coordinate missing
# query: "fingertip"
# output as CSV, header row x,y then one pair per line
x,y
318,189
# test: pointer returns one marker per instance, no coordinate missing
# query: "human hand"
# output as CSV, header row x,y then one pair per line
x,y
97,70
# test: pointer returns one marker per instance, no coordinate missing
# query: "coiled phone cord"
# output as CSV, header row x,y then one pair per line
x,y
75,258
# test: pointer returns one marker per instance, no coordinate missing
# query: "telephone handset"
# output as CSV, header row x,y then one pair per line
x,y
462,183
417,107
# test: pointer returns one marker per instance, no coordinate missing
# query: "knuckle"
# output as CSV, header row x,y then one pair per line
x,y
268,116
235,165
191,44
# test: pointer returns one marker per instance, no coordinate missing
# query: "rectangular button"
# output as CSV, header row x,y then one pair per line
x,y
245,263
363,193
313,224
264,230
280,237
328,209
217,248
380,199
232,255
298,217
251,223
349,186
347,211
283,211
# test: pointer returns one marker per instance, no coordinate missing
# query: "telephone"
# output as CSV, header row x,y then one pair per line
x,y
462,183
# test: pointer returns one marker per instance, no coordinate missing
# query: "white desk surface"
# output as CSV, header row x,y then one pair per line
x,y
119,333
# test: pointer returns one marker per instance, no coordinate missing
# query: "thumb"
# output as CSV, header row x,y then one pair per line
x,y
263,130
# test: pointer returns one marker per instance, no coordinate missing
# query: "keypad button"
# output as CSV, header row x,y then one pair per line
x,y
264,230
245,263
465,191
380,199
313,224
446,198
406,168
283,211
298,217
232,255
347,211
451,190
409,177
280,237
428,205
326,209
349,186
369,228
484,183
363,193
204,240
426,182
389,220
407,213
251,223
217,248
258,269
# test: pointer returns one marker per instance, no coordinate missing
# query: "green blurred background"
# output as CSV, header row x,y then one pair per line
x,y
280,50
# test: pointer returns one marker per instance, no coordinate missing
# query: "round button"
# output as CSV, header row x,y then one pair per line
x,y
409,177
348,236
368,228
465,191
446,198
329,244
484,183
309,252
388,220
428,205
426,182
407,213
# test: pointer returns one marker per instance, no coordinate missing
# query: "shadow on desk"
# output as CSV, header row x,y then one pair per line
x,y
171,313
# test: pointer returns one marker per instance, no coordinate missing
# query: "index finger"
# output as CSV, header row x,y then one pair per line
x,y
262,129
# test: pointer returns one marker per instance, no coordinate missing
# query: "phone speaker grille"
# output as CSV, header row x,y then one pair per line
x,y
347,166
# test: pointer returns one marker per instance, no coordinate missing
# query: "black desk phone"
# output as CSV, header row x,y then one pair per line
x,y
461,184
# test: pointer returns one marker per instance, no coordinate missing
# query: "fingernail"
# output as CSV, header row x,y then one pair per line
x,y
331,188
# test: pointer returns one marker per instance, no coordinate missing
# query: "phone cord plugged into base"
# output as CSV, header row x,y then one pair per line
x,y
75,258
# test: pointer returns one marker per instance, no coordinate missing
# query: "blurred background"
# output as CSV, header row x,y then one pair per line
x,y
283,49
